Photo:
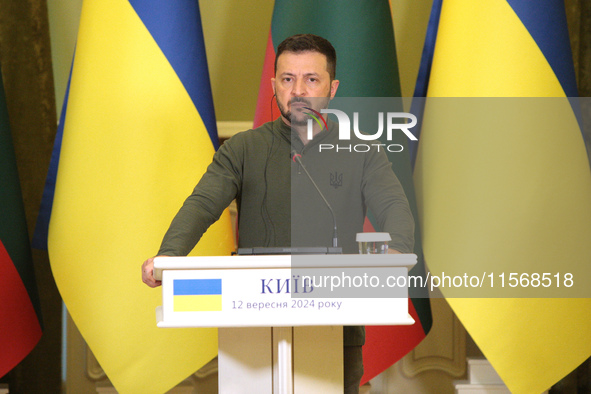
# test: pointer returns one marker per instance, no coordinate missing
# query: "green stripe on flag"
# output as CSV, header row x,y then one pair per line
x,y
362,34
13,225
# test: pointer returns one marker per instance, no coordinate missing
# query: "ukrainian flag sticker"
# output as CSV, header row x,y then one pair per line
x,y
197,295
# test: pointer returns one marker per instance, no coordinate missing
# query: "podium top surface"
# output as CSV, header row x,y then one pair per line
x,y
282,261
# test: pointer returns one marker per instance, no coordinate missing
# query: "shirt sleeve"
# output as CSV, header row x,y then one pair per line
x,y
386,199
215,191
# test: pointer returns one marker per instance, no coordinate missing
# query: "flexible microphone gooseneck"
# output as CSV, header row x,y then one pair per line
x,y
296,157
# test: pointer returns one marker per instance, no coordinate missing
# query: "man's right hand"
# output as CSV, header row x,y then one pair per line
x,y
148,273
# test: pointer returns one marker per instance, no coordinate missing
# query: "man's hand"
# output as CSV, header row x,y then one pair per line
x,y
393,251
148,273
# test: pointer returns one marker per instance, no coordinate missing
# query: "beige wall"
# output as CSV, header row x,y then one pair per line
x,y
410,25
236,33
64,17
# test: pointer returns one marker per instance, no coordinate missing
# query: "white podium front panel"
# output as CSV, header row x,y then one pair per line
x,y
222,293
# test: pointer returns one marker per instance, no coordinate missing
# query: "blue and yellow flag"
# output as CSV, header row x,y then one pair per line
x,y
138,133
197,295
503,182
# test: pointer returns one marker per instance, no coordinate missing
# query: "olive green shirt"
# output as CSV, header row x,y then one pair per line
x,y
279,207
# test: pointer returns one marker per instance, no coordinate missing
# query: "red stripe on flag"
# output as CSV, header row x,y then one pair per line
x,y
385,345
266,106
19,326
367,226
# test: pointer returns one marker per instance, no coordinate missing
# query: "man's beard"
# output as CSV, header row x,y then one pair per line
x,y
303,119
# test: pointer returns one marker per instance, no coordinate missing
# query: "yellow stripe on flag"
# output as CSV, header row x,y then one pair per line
x,y
479,41
134,147
197,303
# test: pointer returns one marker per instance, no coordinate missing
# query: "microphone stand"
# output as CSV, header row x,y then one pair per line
x,y
296,157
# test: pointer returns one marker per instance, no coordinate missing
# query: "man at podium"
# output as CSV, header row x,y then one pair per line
x,y
272,170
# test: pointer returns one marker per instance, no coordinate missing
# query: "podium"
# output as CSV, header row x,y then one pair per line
x,y
280,317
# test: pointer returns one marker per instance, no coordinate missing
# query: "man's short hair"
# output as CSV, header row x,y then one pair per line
x,y
310,42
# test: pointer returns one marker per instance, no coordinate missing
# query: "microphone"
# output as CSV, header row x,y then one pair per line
x,y
297,158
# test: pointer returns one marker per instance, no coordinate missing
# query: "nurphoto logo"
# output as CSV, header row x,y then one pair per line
x,y
395,122
317,117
